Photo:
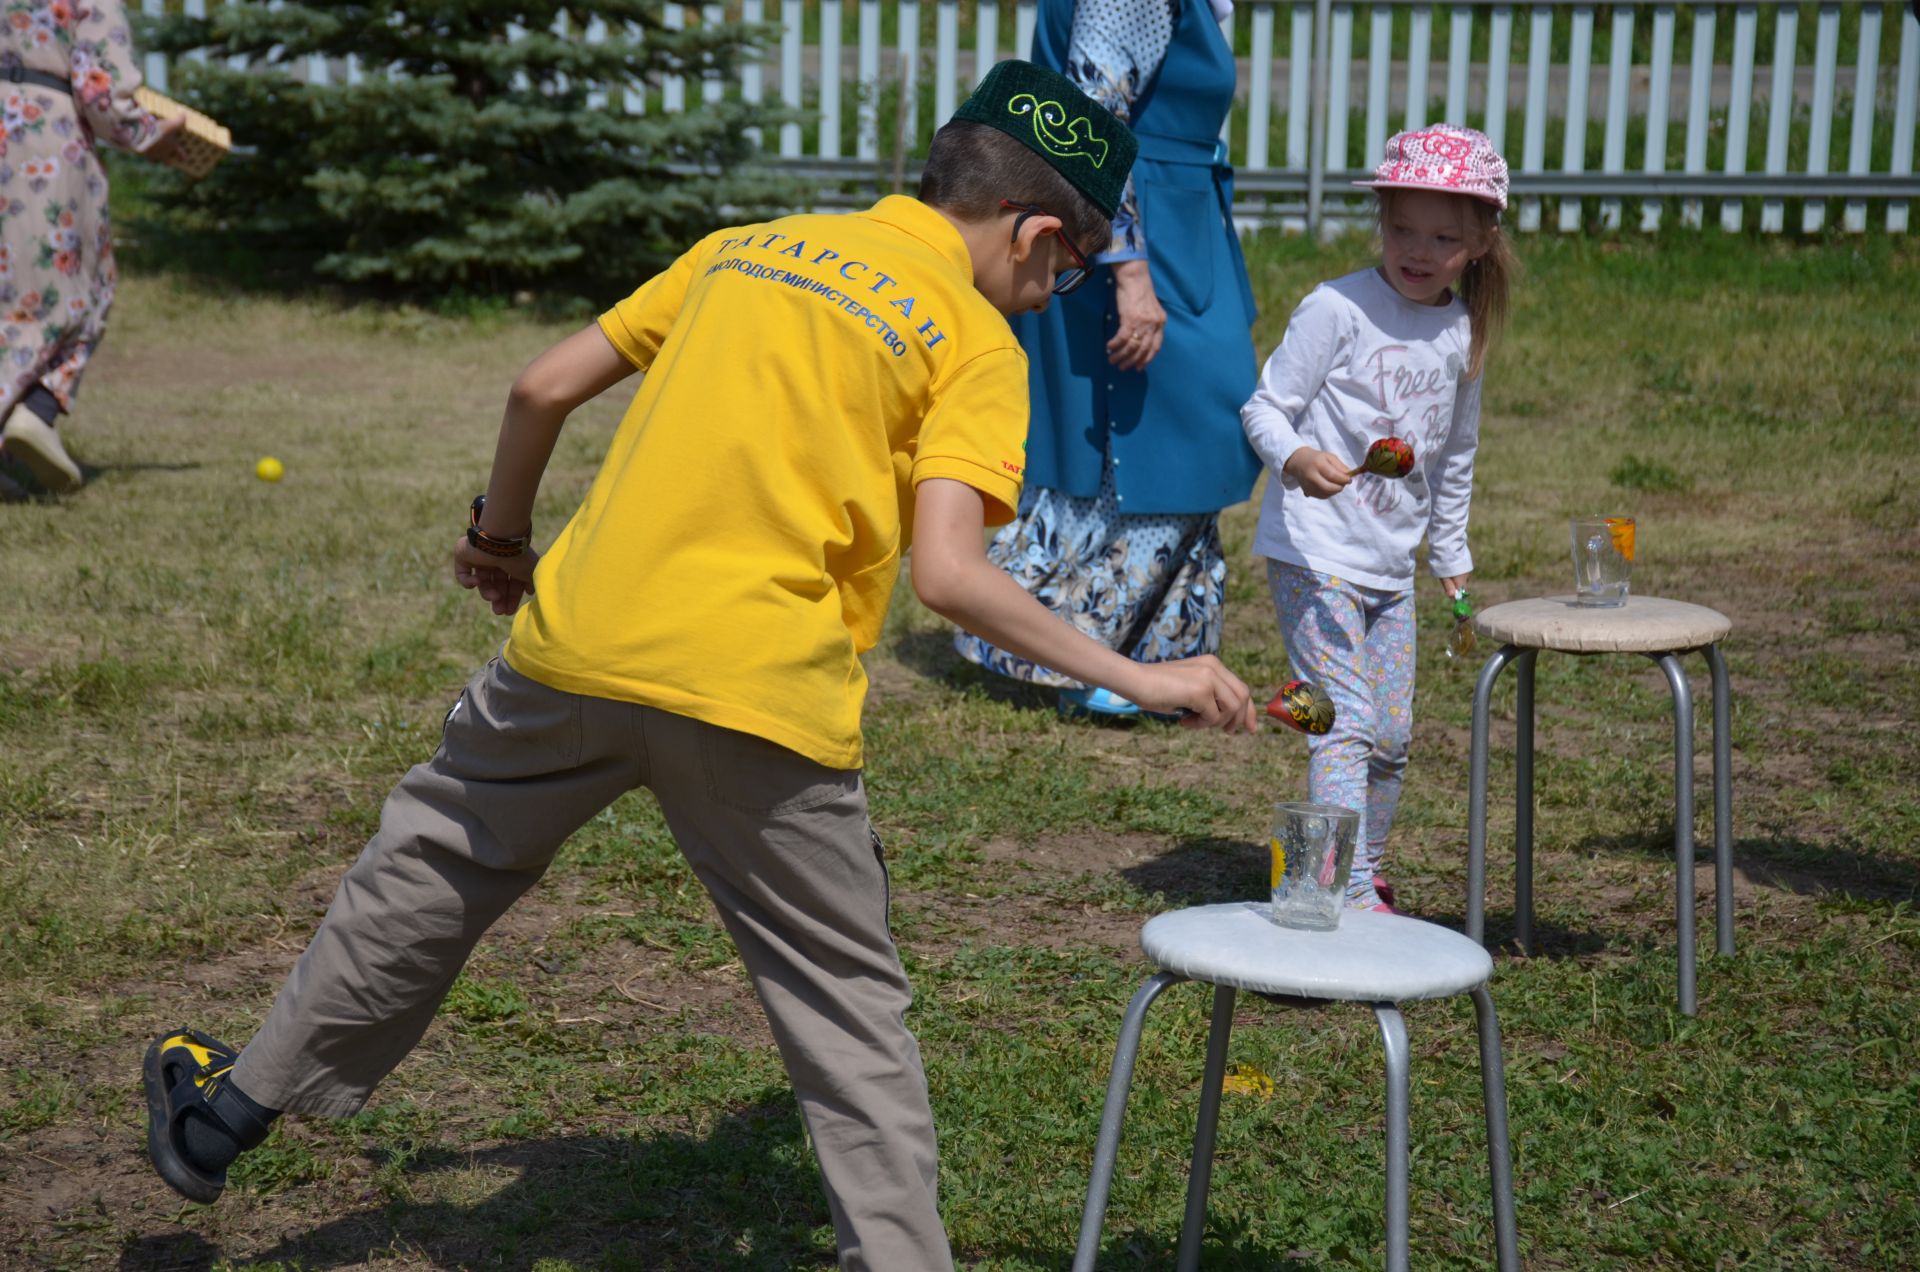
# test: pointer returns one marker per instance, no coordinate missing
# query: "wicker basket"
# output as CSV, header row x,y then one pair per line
x,y
200,145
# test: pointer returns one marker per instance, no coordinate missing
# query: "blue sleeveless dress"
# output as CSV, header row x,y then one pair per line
x,y
1118,526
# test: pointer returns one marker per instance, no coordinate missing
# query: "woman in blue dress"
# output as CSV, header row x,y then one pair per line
x,y
1138,377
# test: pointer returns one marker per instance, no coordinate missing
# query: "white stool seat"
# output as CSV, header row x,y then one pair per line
x,y
1370,957
1644,625
1377,959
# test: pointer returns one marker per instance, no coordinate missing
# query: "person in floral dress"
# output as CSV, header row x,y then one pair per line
x,y
67,75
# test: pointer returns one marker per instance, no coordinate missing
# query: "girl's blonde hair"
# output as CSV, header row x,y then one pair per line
x,y
1484,285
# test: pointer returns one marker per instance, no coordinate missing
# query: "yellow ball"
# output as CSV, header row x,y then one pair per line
x,y
269,469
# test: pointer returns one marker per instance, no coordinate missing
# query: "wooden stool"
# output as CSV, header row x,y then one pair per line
x,y
1658,629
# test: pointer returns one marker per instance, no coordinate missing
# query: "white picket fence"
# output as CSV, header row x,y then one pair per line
x,y
1636,105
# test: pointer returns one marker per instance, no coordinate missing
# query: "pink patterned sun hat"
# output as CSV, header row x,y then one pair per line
x,y
1444,157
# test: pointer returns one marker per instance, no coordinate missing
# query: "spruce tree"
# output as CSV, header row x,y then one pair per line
x,y
486,147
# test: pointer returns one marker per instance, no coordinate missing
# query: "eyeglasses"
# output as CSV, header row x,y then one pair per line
x,y
1067,279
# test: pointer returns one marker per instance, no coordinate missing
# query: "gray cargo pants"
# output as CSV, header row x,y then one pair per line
x,y
784,848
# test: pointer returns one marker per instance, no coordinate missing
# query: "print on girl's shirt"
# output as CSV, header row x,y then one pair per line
x,y
1396,384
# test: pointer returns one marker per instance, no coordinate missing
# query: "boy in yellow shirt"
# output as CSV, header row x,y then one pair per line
x,y
817,389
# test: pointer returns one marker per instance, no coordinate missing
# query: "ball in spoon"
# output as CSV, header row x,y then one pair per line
x,y
1302,705
1388,457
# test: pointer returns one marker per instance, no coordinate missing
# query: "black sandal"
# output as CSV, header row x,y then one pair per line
x,y
185,1074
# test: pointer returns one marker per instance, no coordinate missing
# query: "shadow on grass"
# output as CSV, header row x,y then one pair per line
x,y
1813,869
1209,871
1842,869
15,487
92,471
1203,872
744,1196
18,486
1226,1245
930,654
1551,941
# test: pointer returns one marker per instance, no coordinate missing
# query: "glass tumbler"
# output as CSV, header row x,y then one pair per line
x,y
1602,560
1312,848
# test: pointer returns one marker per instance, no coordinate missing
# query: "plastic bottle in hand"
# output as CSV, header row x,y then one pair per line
x,y
1460,641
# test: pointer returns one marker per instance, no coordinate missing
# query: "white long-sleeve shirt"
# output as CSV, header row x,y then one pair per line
x,y
1360,362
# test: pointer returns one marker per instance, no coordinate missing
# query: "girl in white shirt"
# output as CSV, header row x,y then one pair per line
x,y
1394,351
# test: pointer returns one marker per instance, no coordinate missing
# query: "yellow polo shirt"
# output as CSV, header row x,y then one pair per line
x,y
737,550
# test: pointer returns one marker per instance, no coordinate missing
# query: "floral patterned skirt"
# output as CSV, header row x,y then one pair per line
x,y
1147,586
57,274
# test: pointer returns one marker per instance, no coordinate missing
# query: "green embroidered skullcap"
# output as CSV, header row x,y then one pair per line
x,y
1047,113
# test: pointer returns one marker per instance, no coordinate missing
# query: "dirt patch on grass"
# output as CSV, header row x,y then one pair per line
x,y
1067,856
944,923
93,1175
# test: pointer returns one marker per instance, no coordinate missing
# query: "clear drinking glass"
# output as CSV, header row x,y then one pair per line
x,y
1602,560
1312,856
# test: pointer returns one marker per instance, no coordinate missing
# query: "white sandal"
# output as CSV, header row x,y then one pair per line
x,y
36,443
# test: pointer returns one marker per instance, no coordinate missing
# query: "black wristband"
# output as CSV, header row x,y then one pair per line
x,y
490,544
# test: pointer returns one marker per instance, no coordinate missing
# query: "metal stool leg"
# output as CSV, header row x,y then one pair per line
x,y
1195,1223
1477,794
1682,821
1493,1085
1722,802
1393,1036
1523,801
1108,1147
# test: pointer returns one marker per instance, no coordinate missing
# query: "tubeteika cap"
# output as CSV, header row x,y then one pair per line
x,y
1047,113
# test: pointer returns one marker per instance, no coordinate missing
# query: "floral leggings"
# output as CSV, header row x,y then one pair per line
x,y
1357,644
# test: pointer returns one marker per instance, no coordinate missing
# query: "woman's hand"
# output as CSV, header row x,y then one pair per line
x,y
166,140
1142,320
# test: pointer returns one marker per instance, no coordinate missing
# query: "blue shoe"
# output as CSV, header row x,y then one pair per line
x,y
186,1077
1095,701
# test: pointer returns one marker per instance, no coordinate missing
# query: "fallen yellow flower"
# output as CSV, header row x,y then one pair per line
x,y
1247,1079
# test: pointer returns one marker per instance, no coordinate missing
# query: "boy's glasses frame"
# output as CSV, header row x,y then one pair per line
x,y
1067,279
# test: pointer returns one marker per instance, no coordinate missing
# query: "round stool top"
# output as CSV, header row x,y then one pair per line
x,y
1370,957
1644,625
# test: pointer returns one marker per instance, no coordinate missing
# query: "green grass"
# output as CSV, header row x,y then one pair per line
x,y
208,684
